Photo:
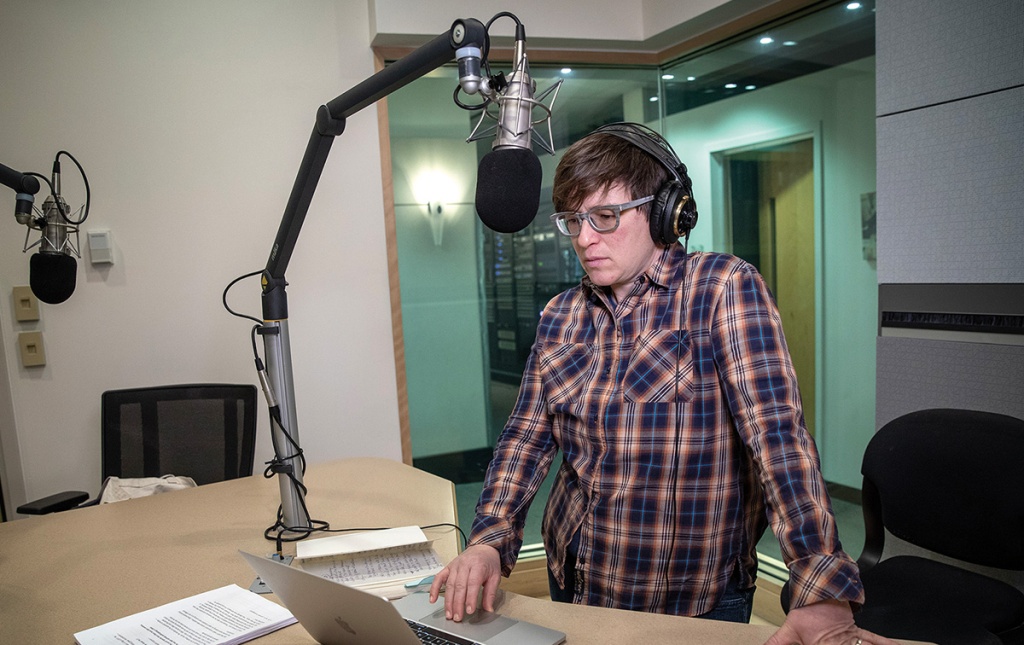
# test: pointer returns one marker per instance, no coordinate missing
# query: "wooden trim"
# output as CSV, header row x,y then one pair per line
x,y
529,578
636,53
767,606
390,231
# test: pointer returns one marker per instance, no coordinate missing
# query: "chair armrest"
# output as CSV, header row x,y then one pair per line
x,y
54,503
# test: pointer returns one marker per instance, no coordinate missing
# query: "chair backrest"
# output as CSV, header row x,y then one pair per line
x,y
203,431
949,481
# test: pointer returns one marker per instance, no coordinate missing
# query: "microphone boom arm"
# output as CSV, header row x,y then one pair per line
x,y
294,520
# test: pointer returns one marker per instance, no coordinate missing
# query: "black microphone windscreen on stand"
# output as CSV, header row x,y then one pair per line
x,y
508,189
52,276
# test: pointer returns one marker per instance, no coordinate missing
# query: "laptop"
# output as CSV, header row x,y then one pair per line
x,y
335,614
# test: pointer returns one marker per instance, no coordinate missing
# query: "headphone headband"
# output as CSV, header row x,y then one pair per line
x,y
650,142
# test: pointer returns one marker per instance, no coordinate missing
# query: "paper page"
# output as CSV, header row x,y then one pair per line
x,y
359,542
219,617
377,567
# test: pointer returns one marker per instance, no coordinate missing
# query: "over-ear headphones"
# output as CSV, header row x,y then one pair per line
x,y
673,212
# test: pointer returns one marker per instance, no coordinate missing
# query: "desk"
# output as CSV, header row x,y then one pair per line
x,y
62,573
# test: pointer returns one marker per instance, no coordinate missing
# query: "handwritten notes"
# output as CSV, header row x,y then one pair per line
x,y
381,562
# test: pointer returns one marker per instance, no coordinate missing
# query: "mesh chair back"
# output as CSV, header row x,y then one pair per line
x,y
952,482
203,431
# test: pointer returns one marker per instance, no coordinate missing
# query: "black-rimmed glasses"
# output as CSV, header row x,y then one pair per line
x,y
603,219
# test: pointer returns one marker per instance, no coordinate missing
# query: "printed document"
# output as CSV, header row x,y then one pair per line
x,y
220,617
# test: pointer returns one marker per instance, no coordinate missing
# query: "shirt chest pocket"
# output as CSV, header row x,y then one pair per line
x,y
567,372
660,368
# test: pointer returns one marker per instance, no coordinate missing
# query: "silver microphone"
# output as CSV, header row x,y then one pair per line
x,y
52,271
509,176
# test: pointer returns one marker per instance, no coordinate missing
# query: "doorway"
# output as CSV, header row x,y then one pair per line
x,y
770,222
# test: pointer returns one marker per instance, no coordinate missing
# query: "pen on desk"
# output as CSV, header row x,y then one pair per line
x,y
414,584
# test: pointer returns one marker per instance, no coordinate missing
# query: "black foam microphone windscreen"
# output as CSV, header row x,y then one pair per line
x,y
508,189
52,276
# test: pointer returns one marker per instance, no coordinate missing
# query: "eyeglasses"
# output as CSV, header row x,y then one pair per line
x,y
603,219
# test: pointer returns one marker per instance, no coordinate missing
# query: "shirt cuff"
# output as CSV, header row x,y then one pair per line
x,y
825,577
498,533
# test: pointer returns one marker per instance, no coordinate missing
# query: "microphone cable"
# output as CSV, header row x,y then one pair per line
x,y
85,180
278,465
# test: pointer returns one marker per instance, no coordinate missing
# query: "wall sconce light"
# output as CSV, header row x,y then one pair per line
x,y
435,215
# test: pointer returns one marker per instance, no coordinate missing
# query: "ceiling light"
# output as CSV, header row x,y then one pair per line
x,y
789,43
766,40
750,87
691,78
653,99
567,70
730,86
854,5
667,77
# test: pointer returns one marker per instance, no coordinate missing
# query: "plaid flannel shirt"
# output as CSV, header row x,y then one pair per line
x,y
666,518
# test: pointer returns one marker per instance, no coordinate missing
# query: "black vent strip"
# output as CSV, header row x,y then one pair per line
x,y
978,323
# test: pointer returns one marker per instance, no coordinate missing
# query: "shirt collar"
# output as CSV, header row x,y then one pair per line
x,y
660,273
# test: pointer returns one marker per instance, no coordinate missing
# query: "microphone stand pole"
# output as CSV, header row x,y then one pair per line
x,y
294,521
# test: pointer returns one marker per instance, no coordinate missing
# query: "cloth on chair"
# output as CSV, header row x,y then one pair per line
x,y
117,489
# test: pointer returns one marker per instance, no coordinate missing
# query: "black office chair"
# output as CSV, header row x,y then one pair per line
x,y
203,431
949,482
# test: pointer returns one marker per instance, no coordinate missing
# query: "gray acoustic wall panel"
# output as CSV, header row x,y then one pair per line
x,y
951,192
929,52
916,374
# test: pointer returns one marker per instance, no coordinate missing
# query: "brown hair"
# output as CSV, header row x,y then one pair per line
x,y
599,161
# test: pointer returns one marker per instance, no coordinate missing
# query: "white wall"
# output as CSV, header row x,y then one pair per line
x,y
190,119
614,24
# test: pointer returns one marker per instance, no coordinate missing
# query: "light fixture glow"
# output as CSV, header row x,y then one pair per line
x,y
653,99
766,40
750,87
854,5
567,70
691,78
667,77
789,43
730,86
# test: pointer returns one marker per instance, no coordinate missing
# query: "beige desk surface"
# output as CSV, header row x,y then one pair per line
x,y
63,573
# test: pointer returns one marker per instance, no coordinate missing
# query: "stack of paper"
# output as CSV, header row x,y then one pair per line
x,y
388,563
220,617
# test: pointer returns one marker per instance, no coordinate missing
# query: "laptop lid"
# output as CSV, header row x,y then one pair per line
x,y
335,614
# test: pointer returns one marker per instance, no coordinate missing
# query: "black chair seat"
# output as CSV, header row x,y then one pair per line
x,y
915,598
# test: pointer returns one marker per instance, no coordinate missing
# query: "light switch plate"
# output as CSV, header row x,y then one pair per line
x,y
31,345
26,305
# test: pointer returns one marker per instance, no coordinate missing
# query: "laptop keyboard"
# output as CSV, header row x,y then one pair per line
x,y
432,636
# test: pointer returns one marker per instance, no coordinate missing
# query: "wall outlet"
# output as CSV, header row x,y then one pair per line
x,y
26,305
31,345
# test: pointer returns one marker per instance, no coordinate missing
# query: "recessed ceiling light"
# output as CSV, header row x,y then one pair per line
x,y
789,43
653,99
766,40
854,5
567,70
691,78
667,77
750,87
730,86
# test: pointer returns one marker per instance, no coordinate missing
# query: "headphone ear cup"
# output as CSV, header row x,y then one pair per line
x,y
662,219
